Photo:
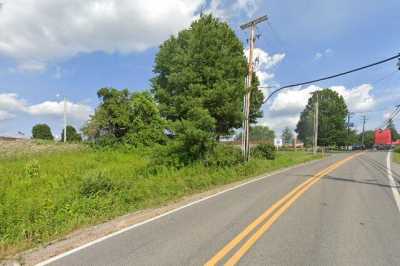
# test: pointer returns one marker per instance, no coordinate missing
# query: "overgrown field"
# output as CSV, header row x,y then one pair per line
x,y
44,196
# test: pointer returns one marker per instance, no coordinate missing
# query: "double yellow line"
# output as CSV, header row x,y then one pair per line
x,y
269,217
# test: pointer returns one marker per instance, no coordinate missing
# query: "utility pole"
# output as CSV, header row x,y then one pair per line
x,y
246,100
348,127
363,131
65,119
316,125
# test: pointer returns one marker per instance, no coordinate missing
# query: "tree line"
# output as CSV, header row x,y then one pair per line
x,y
196,97
43,131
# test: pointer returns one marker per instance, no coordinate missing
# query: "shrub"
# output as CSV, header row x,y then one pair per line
x,y
224,155
397,149
106,141
265,151
169,155
95,184
32,169
42,131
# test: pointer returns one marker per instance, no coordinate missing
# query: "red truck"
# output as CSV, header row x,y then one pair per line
x,y
383,139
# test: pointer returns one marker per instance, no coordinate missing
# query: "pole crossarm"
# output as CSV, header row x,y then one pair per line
x,y
253,22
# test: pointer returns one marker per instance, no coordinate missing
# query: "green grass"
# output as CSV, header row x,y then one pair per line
x,y
396,157
44,196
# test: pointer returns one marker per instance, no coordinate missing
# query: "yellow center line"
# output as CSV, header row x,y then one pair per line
x,y
279,208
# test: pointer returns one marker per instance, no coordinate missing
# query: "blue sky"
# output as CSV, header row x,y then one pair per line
x,y
51,49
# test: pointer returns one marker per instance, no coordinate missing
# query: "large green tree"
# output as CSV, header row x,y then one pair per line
x,y
42,131
72,134
287,136
204,67
122,116
369,138
331,120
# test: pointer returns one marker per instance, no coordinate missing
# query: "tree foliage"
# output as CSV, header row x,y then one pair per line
x,y
369,138
204,67
42,131
72,135
287,136
122,116
332,119
392,127
259,133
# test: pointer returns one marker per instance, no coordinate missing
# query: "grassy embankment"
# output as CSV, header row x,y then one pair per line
x,y
396,155
46,195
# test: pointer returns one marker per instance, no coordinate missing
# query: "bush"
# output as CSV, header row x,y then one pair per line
x,y
265,151
224,155
397,149
95,184
169,155
42,131
107,141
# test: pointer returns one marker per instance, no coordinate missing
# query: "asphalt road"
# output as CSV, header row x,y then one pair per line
x,y
348,216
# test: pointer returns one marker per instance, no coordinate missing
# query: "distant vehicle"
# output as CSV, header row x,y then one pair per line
x,y
383,139
356,147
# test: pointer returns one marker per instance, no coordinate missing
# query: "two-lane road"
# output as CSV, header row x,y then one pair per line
x,y
338,211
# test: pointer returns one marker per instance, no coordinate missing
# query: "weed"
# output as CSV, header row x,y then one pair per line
x,y
32,169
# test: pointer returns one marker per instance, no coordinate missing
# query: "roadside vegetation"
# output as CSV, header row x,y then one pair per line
x,y
46,196
396,155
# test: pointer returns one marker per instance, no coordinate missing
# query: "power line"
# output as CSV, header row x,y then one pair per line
x,y
392,116
275,35
332,76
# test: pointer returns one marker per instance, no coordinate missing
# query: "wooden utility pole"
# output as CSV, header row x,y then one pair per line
x,y
316,125
348,129
246,100
363,131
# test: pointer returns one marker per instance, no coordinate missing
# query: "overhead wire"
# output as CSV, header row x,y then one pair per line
x,y
332,76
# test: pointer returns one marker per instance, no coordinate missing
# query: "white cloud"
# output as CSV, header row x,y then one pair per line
x,y
358,99
4,115
11,102
386,115
326,53
317,56
35,32
292,100
76,111
249,6
31,66
264,63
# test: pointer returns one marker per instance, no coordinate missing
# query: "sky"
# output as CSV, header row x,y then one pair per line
x,y
71,48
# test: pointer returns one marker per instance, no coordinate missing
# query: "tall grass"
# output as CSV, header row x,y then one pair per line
x,y
396,155
46,196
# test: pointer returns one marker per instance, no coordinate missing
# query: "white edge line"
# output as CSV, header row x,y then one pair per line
x,y
392,183
46,262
